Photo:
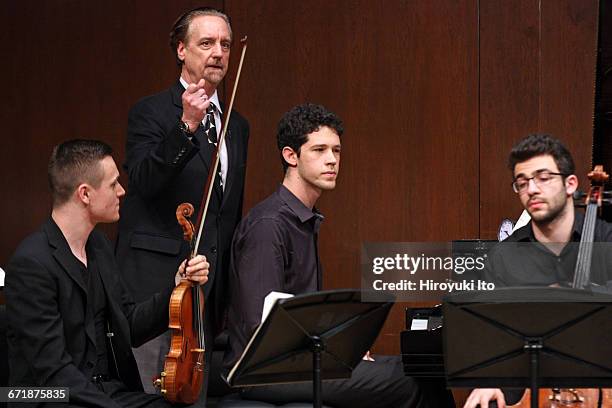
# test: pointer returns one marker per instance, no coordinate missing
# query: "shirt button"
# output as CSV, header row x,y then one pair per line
x,y
213,250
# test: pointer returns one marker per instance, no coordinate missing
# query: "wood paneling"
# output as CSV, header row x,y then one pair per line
x,y
537,74
567,95
509,92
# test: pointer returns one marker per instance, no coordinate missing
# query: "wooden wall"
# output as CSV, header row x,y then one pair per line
x,y
433,94
537,73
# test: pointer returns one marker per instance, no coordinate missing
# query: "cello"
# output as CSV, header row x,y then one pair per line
x,y
183,375
588,397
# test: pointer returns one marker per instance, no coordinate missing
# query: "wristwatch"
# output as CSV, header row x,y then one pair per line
x,y
185,127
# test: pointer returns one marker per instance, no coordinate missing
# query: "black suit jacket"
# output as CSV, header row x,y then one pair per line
x,y
51,333
166,169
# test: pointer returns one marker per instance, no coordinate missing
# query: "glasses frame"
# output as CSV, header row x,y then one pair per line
x,y
534,178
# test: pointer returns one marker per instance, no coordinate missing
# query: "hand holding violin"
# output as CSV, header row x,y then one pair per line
x,y
196,271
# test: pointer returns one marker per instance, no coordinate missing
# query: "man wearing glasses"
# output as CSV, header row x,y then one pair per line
x,y
544,180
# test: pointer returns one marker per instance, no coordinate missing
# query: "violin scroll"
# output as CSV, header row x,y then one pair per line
x,y
183,212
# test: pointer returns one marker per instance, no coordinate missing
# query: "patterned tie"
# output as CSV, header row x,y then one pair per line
x,y
209,125
211,135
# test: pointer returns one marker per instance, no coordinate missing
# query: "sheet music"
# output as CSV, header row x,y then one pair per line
x,y
269,302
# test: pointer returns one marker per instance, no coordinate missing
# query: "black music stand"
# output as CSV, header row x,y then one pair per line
x,y
290,344
528,338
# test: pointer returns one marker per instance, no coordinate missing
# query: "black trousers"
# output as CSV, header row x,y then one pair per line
x,y
117,391
379,383
130,399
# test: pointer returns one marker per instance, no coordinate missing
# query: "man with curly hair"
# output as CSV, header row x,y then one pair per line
x,y
275,249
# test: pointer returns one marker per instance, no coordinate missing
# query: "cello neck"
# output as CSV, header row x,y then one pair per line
x,y
593,201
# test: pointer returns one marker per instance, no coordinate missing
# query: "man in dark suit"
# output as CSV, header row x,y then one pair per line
x,y
71,320
169,148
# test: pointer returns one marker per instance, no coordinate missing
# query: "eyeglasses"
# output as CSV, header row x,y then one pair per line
x,y
541,179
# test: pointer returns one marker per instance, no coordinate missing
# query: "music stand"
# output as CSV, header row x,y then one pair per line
x,y
528,338
290,344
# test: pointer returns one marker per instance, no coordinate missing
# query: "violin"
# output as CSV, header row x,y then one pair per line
x,y
589,397
183,375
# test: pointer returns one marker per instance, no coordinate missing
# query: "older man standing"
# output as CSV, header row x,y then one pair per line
x,y
171,137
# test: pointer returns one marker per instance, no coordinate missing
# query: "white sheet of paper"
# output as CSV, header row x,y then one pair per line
x,y
1,277
269,301
418,324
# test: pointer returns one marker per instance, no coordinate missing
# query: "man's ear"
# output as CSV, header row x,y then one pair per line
x,y
571,184
83,192
290,156
180,50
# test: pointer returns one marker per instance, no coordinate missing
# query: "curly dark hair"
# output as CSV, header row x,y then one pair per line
x,y
180,28
295,126
74,162
538,144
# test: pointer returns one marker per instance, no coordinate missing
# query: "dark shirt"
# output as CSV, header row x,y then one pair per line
x,y
96,303
274,249
521,260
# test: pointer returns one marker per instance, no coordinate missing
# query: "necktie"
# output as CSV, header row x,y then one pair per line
x,y
209,125
211,135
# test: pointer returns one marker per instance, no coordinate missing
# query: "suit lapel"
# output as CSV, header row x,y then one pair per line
x,y
63,254
72,266
177,92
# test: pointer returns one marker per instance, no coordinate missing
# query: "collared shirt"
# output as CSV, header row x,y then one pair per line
x,y
521,260
274,249
214,99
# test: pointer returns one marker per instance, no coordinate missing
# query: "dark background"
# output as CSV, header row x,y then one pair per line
x,y
433,95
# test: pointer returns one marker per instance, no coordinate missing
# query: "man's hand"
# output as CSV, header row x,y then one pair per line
x,y
482,396
197,270
195,103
